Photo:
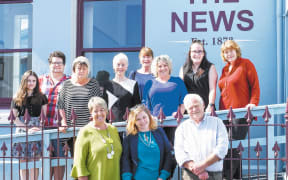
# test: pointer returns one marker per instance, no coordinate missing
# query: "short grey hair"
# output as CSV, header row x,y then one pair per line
x,y
189,97
97,101
164,58
81,60
120,56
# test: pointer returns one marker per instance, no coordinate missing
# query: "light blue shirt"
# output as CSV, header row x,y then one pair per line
x,y
198,141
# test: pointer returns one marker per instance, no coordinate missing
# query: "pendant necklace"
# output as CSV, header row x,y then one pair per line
x,y
110,141
146,141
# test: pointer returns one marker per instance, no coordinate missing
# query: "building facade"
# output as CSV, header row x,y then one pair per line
x,y
99,29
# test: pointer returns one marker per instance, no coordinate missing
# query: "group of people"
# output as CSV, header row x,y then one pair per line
x,y
147,150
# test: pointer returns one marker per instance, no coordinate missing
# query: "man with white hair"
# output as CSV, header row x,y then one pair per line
x,y
201,142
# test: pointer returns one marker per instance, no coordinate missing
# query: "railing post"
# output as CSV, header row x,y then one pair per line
x,y
286,133
46,155
271,142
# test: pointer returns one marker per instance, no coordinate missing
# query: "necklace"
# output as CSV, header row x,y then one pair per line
x,y
109,141
145,140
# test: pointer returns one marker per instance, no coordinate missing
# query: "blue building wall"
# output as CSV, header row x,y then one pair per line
x,y
254,28
53,29
258,26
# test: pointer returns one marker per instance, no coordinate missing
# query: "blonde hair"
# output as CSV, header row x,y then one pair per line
x,y
131,125
97,101
82,61
230,44
164,58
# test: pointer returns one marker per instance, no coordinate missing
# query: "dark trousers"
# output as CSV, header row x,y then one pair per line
x,y
234,171
170,133
235,133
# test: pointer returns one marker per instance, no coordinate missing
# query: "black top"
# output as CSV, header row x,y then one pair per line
x,y
198,83
123,98
32,103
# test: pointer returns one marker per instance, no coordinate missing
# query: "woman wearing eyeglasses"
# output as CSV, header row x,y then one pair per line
x,y
200,75
146,149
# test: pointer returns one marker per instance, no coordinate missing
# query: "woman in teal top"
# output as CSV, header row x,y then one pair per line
x,y
146,149
97,147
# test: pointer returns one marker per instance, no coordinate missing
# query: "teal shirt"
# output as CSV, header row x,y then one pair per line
x,y
149,159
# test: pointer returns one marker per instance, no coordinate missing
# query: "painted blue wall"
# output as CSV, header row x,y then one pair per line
x,y
256,35
52,30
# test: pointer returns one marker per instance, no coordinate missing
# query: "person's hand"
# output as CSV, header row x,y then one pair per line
x,y
250,105
198,168
189,165
159,179
203,176
34,129
63,128
174,114
208,109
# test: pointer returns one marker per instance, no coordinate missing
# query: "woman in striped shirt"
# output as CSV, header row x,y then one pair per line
x,y
76,93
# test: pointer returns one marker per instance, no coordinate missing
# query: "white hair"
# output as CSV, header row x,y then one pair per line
x,y
120,56
189,97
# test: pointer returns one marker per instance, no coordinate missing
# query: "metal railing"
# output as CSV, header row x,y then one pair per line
x,y
264,151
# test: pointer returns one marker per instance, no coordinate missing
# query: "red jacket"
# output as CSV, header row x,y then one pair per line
x,y
240,86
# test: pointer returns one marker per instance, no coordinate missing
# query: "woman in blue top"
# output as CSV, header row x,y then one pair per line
x,y
165,91
143,74
146,150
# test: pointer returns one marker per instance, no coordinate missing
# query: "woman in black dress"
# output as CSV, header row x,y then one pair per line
x,y
200,75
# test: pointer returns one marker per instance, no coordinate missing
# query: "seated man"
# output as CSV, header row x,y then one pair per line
x,y
201,142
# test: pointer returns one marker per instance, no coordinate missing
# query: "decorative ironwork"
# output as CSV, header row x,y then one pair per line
x,y
161,116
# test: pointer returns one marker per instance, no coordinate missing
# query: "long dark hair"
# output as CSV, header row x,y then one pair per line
x,y
21,95
187,67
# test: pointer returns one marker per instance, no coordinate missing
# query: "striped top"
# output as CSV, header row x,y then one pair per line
x,y
77,97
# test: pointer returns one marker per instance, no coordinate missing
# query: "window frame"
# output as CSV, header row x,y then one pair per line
x,y
80,51
5,101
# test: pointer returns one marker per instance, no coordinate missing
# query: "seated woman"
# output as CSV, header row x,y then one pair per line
x,y
97,147
146,149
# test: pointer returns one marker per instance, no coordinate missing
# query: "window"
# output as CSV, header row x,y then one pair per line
x,y
108,27
15,46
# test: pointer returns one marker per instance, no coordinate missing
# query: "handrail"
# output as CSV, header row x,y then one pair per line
x,y
274,109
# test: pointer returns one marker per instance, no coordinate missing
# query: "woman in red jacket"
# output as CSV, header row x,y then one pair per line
x,y
239,84
239,87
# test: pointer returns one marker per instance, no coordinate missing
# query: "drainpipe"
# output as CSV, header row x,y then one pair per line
x,y
281,67
279,51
